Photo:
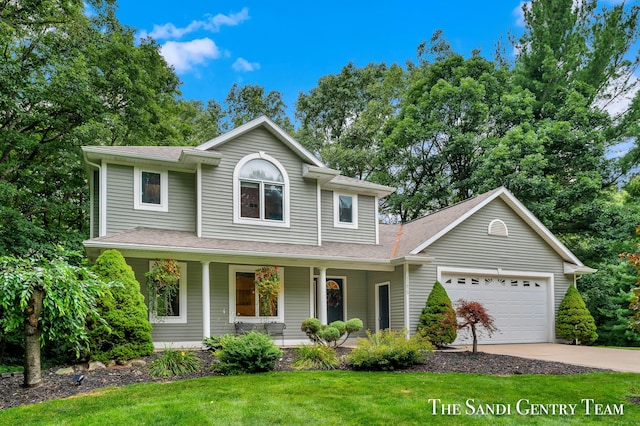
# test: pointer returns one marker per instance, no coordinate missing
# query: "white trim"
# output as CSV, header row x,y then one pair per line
x,y
273,128
377,303
182,294
312,296
319,210
336,210
407,304
103,198
233,269
206,302
199,200
321,291
236,193
137,190
498,272
377,223
521,211
501,226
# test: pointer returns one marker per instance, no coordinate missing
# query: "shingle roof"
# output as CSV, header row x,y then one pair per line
x,y
395,241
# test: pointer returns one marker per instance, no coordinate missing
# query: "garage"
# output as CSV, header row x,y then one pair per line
x,y
518,305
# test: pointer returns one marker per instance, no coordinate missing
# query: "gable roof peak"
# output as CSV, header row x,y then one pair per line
x,y
273,128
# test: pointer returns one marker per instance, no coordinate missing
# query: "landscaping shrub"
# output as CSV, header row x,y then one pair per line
x,y
388,350
310,357
174,362
329,335
248,353
213,343
127,334
438,318
574,321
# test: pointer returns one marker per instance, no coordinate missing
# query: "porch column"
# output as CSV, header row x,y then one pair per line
x,y
206,308
322,296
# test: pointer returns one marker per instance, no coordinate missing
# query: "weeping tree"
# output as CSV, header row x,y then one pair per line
x,y
47,300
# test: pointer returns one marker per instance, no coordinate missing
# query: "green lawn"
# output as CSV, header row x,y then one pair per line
x,y
342,397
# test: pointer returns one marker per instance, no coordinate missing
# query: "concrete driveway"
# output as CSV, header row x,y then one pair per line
x,y
612,359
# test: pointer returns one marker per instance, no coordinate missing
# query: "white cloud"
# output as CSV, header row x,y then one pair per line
x,y
243,65
183,55
519,14
211,24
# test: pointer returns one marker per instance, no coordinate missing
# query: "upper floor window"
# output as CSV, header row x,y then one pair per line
x,y
261,191
150,189
345,210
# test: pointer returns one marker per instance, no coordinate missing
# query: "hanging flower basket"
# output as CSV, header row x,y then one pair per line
x,y
267,283
163,283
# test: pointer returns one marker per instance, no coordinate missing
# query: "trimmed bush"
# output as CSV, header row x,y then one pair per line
x,y
310,357
329,335
388,350
127,333
574,321
438,318
248,353
173,362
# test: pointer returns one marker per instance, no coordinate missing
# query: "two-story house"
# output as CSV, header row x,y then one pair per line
x,y
256,197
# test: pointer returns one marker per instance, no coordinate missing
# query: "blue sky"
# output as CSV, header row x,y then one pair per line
x,y
288,45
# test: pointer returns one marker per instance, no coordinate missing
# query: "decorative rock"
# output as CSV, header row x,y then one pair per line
x,y
138,363
96,365
65,371
111,363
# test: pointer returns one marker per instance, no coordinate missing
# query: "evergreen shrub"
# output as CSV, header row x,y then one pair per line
x,y
127,333
438,318
574,321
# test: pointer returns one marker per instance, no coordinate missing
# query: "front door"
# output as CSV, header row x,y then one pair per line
x,y
382,306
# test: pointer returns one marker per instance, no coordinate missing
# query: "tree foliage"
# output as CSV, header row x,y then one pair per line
x,y
245,103
476,318
438,318
127,331
342,120
68,79
49,300
574,321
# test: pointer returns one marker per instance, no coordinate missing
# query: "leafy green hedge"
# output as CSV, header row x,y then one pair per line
x,y
388,350
248,353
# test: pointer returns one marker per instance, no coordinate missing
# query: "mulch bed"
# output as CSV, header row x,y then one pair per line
x,y
61,386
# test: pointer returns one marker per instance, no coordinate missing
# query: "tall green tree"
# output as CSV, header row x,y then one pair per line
x,y
343,119
436,140
574,61
245,103
68,79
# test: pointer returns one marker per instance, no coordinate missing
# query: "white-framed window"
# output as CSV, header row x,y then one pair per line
x,y
345,210
150,189
179,302
260,191
244,304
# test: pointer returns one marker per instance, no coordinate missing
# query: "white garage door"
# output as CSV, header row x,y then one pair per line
x,y
518,306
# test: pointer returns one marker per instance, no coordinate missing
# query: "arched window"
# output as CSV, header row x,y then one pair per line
x,y
261,191
498,227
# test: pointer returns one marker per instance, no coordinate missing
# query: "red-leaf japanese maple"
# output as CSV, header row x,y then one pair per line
x,y
473,314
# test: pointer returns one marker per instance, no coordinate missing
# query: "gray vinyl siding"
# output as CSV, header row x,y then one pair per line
x,y
121,215
95,192
396,297
165,332
217,194
366,232
297,300
469,246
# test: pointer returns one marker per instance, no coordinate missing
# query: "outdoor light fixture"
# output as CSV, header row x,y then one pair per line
x,y
77,379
